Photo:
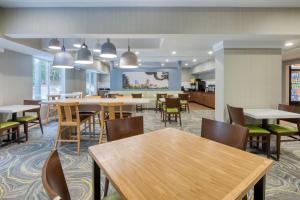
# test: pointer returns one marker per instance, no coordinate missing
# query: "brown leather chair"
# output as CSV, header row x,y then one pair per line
x,y
236,116
122,128
53,178
231,135
293,134
171,108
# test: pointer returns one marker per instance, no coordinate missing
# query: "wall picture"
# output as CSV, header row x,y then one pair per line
x,y
145,80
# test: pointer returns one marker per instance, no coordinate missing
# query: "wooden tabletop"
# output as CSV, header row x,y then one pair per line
x,y
17,108
270,114
88,101
172,164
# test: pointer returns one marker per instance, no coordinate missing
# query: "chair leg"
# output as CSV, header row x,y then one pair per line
x,y
57,136
48,113
251,141
268,138
41,125
165,116
180,119
26,131
106,185
278,140
188,107
18,134
78,140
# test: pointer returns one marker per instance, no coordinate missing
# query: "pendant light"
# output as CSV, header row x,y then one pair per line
x,y
63,59
54,44
97,48
84,55
128,59
108,50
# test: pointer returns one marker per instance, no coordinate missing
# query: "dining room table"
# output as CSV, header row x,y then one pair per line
x,y
266,114
173,164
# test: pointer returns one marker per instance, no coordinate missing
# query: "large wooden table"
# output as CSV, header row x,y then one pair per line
x,y
172,164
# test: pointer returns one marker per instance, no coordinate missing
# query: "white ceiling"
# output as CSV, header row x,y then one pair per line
x,y
150,3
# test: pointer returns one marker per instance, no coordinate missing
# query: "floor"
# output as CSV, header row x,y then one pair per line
x,y
20,165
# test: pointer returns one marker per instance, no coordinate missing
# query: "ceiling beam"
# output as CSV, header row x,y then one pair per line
x,y
58,22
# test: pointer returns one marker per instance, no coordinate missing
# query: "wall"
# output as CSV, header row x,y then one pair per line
x,y
252,79
15,77
174,77
75,81
103,81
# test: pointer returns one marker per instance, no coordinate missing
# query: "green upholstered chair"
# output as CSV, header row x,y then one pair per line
x,y
171,108
292,133
184,101
159,104
236,116
31,117
7,128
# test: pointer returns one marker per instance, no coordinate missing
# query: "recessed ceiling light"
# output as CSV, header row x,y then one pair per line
x,y
210,52
194,60
103,60
162,64
167,60
116,64
140,64
139,60
186,64
137,53
173,52
288,44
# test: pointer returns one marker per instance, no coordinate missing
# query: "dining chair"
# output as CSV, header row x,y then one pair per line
x,y
111,95
51,108
171,108
110,111
31,117
120,129
138,96
228,134
281,130
9,128
184,101
92,113
236,116
70,119
158,103
54,181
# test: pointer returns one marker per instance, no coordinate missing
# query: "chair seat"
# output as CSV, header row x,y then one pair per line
x,y
113,196
171,110
8,124
256,130
183,101
281,129
26,118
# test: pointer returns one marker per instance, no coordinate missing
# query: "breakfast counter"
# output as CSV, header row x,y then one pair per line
x,y
203,98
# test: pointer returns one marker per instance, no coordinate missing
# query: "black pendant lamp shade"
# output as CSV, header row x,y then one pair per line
x,y
63,59
108,50
84,55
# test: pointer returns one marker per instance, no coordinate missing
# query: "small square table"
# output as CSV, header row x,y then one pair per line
x,y
172,164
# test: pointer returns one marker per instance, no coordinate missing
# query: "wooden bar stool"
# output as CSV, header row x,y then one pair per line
x,y
69,118
51,110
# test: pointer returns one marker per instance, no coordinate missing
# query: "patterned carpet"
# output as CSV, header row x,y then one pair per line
x,y
20,165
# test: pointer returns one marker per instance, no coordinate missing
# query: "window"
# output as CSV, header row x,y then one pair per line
x,y
91,83
46,79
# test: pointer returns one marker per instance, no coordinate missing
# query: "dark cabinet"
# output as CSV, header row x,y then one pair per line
x,y
203,98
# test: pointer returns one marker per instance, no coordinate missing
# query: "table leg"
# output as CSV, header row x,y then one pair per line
x,y
265,126
259,189
96,181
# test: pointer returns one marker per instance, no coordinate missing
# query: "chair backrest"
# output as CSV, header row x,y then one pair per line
x,y
173,103
158,96
294,109
53,97
110,95
68,112
236,115
136,95
184,96
123,128
92,97
112,109
33,102
228,134
53,178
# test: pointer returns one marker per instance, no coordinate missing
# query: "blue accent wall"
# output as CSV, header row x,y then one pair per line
x,y
174,77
